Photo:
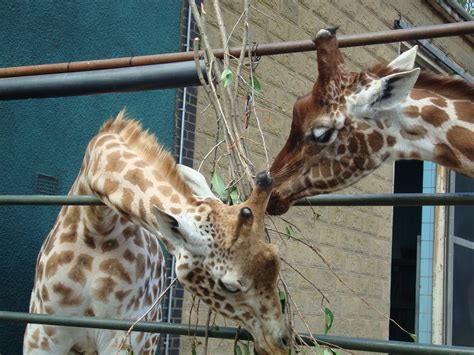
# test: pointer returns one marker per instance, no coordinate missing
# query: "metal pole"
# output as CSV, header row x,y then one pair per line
x,y
364,39
374,345
150,77
446,199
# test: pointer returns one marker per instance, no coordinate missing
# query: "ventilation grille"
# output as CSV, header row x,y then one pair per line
x,y
47,184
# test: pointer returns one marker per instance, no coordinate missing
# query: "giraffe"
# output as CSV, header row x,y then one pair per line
x,y
105,261
350,123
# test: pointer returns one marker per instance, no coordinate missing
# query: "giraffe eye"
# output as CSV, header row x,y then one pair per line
x,y
228,287
323,135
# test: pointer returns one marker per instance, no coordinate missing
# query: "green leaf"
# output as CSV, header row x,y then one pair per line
x,y
327,352
290,231
227,77
234,196
246,349
193,352
237,350
218,186
255,84
329,320
282,297
414,337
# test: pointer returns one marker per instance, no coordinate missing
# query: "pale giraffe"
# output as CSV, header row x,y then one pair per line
x,y
106,261
351,123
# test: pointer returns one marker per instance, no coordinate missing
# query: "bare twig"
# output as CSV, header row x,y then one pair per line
x,y
306,279
129,331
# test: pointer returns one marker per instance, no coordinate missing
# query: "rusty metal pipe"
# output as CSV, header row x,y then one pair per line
x,y
433,31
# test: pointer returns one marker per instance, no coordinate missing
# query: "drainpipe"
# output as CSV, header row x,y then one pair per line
x,y
437,330
180,161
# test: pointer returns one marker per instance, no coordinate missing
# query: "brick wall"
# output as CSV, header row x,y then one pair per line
x,y
356,241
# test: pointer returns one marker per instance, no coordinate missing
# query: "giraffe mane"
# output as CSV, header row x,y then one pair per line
x,y
448,86
147,147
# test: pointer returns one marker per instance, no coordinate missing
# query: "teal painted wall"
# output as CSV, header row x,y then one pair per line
x,y
49,136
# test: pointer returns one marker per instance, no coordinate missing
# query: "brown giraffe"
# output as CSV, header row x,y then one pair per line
x,y
351,123
105,261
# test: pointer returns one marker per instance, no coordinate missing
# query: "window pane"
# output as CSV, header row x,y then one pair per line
x,y
463,221
463,296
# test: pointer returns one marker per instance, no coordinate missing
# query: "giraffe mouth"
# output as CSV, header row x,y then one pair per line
x,y
277,205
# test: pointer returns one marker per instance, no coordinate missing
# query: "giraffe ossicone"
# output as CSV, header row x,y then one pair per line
x,y
352,122
105,261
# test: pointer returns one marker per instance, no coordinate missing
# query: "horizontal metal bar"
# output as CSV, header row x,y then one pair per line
x,y
363,39
364,344
446,199
150,77
49,200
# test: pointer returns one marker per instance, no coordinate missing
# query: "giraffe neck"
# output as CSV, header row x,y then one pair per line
x,y
430,126
133,182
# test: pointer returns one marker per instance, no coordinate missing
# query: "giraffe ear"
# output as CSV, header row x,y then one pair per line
x,y
196,181
180,231
405,61
392,90
397,87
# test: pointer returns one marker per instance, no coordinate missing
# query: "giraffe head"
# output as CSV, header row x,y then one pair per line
x,y
339,130
222,256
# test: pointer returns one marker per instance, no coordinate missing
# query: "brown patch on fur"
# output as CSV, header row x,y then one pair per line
x,y
463,140
77,274
113,267
175,211
56,260
44,294
153,246
165,190
49,330
141,209
129,256
89,312
115,162
375,141
140,266
120,295
420,94
434,115
104,288
68,237
89,239
391,141
110,186
137,177
414,132
439,102
465,111
445,156
174,198
412,112
71,216
110,245
127,198
130,231
68,298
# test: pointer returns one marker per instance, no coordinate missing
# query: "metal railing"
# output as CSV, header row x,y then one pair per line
x,y
363,344
412,199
